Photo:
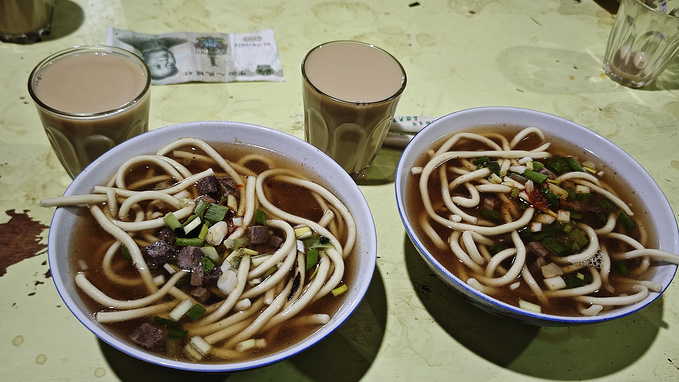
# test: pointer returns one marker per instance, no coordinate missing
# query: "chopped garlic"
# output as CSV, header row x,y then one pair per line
x,y
555,283
181,309
551,270
563,216
580,189
217,233
545,219
229,279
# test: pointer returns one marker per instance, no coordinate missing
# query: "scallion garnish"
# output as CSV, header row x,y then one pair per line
x,y
215,213
626,221
491,215
188,241
195,312
573,164
536,177
311,258
201,206
339,290
260,217
171,221
208,264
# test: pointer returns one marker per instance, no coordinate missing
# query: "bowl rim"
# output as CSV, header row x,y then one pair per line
x,y
367,245
502,115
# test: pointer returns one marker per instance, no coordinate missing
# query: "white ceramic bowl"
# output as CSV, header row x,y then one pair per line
x,y
645,188
336,179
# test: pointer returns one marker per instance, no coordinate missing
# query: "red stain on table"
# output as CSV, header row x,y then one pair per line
x,y
21,237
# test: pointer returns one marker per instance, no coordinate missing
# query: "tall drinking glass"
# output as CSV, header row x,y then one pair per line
x,y
643,41
90,99
351,90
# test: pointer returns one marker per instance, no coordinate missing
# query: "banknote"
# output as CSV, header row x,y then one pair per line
x,y
204,57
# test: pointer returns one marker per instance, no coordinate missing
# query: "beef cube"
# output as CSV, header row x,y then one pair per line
x,y
201,294
227,186
197,276
158,253
189,257
212,277
166,234
537,248
148,336
200,278
276,241
207,185
258,234
208,199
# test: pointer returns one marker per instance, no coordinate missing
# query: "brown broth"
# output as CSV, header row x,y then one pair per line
x,y
94,241
558,306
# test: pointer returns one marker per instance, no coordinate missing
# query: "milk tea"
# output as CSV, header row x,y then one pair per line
x,y
90,100
351,90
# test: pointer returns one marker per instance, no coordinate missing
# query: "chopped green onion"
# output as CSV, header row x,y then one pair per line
x,y
311,258
303,232
606,206
574,280
232,202
491,215
573,164
180,309
215,213
260,217
173,347
191,223
208,264
339,290
536,177
126,253
626,222
177,333
494,167
622,267
558,165
495,248
171,221
167,322
247,251
481,161
578,237
203,231
201,206
552,198
537,166
515,192
554,246
188,241
211,252
271,271
195,312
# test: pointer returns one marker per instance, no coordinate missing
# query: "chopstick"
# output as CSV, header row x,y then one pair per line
x,y
403,129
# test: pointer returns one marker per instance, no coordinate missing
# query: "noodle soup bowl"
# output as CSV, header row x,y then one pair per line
x,y
315,164
646,193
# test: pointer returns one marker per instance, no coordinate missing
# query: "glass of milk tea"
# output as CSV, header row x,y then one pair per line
x,y
350,91
90,98
25,21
